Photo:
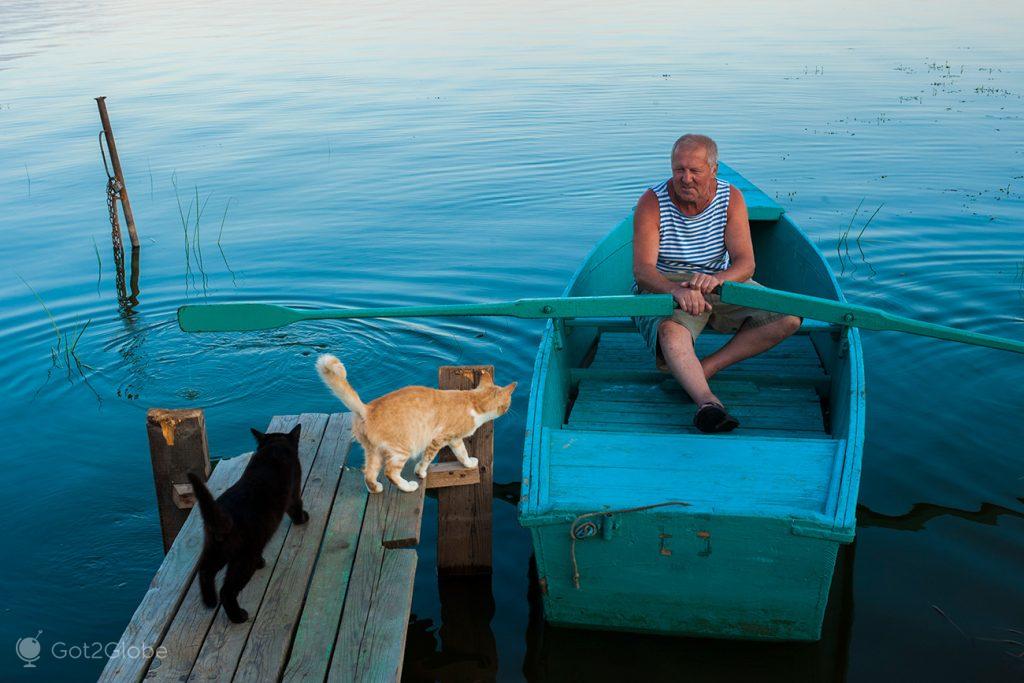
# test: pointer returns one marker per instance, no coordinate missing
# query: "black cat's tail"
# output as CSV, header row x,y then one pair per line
x,y
214,517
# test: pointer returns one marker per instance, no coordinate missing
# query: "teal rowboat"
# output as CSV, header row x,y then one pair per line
x,y
639,522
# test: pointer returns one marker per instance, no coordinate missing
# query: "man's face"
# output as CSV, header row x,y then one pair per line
x,y
691,175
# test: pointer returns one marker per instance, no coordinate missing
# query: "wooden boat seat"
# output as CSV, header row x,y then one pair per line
x,y
773,394
590,471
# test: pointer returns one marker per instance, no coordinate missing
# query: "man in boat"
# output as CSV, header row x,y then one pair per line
x,y
690,234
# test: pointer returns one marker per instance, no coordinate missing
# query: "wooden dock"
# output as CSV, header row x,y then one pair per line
x,y
333,601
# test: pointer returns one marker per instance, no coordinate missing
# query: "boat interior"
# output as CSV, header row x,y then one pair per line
x,y
781,392
608,429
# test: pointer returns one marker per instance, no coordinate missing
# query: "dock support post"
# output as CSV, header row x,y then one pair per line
x,y
177,446
464,512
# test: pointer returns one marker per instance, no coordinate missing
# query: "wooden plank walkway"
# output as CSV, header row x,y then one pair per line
x,y
772,394
332,603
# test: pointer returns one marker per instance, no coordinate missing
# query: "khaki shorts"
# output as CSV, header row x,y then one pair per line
x,y
727,318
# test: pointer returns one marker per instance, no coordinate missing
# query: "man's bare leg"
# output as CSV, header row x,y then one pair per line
x,y
677,347
748,342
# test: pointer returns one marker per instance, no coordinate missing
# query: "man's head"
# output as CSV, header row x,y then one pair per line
x,y
694,167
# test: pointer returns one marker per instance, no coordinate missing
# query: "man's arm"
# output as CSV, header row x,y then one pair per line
x,y
737,243
645,257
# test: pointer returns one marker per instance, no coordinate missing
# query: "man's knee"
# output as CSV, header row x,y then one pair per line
x,y
675,335
790,324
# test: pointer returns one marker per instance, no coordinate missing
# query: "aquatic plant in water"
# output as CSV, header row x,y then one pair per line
x,y
64,354
193,242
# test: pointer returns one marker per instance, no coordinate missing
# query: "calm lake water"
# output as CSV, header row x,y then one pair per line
x,y
440,152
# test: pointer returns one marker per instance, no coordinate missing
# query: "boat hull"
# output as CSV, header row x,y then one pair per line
x,y
707,575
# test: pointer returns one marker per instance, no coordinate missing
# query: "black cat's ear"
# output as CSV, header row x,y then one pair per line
x,y
294,434
258,434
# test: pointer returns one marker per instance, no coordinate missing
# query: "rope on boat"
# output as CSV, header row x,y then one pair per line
x,y
603,513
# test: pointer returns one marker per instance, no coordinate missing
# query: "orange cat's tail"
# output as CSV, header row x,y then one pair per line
x,y
332,372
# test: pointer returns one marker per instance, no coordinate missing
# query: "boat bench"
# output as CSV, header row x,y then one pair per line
x,y
775,393
332,603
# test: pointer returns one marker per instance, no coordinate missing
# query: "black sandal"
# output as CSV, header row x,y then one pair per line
x,y
711,418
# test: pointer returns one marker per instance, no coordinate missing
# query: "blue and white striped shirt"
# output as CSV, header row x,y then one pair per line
x,y
692,243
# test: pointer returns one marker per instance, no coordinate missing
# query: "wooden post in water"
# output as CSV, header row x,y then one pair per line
x,y
464,512
177,446
108,133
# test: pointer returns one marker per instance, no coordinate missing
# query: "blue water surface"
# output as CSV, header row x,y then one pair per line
x,y
369,155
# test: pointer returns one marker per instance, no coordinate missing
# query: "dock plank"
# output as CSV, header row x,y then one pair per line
x,y
404,513
166,591
266,650
222,648
318,626
371,636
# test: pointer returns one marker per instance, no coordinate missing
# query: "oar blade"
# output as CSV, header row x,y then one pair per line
x,y
245,317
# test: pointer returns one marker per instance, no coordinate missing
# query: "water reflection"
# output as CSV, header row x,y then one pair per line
x,y
563,654
921,513
468,650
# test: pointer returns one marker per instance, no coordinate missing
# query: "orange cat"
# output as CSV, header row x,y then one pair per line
x,y
411,420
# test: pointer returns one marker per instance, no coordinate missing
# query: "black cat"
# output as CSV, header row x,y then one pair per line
x,y
241,521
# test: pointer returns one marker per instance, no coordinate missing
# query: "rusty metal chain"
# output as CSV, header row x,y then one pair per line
x,y
113,195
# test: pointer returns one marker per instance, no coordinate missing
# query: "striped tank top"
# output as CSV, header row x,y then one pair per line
x,y
692,243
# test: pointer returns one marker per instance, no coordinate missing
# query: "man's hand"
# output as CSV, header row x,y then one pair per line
x,y
690,300
703,283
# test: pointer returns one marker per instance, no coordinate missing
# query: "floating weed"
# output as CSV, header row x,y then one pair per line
x,y
220,248
29,179
184,226
844,243
861,234
950,620
1020,279
193,241
65,352
197,246
99,266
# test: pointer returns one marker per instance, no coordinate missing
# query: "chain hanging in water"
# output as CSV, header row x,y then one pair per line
x,y
113,194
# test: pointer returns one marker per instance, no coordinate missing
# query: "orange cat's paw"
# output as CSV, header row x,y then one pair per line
x,y
471,463
374,486
421,472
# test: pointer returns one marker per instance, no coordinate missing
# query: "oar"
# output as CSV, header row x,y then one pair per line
x,y
246,317
852,315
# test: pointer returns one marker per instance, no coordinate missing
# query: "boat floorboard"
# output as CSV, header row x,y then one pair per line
x,y
755,390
